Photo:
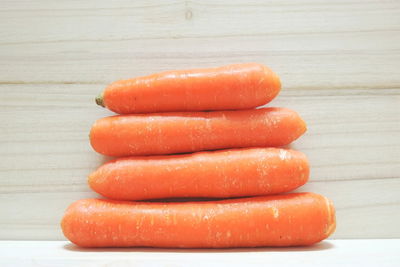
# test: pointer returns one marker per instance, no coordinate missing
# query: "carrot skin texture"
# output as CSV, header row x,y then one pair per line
x,y
169,133
217,174
236,86
280,220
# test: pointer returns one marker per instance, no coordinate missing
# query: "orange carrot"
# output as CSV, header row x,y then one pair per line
x,y
168,133
219,174
238,86
279,220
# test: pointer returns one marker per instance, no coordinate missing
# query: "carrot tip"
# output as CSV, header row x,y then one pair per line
x,y
100,100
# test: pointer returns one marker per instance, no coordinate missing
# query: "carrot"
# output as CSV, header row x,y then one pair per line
x,y
238,86
279,220
219,174
168,133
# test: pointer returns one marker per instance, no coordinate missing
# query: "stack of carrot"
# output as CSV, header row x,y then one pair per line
x,y
167,119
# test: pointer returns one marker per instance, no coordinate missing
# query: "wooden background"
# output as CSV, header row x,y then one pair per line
x,y
339,62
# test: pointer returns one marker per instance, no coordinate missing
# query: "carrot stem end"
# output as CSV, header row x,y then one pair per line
x,y
100,100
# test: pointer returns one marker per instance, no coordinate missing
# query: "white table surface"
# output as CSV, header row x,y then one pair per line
x,y
339,62
364,253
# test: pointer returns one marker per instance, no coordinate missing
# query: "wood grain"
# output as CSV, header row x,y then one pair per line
x,y
339,62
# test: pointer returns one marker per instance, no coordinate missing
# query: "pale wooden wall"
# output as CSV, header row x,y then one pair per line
x,y
339,62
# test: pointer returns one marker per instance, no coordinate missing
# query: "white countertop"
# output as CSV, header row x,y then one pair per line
x,y
367,252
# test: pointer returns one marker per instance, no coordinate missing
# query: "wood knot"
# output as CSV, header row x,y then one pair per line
x,y
188,14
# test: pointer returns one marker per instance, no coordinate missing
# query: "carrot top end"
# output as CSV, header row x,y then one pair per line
x,y
100,100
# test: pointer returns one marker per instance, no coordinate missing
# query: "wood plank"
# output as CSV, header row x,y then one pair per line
x,y
178,19
316,61
360,214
